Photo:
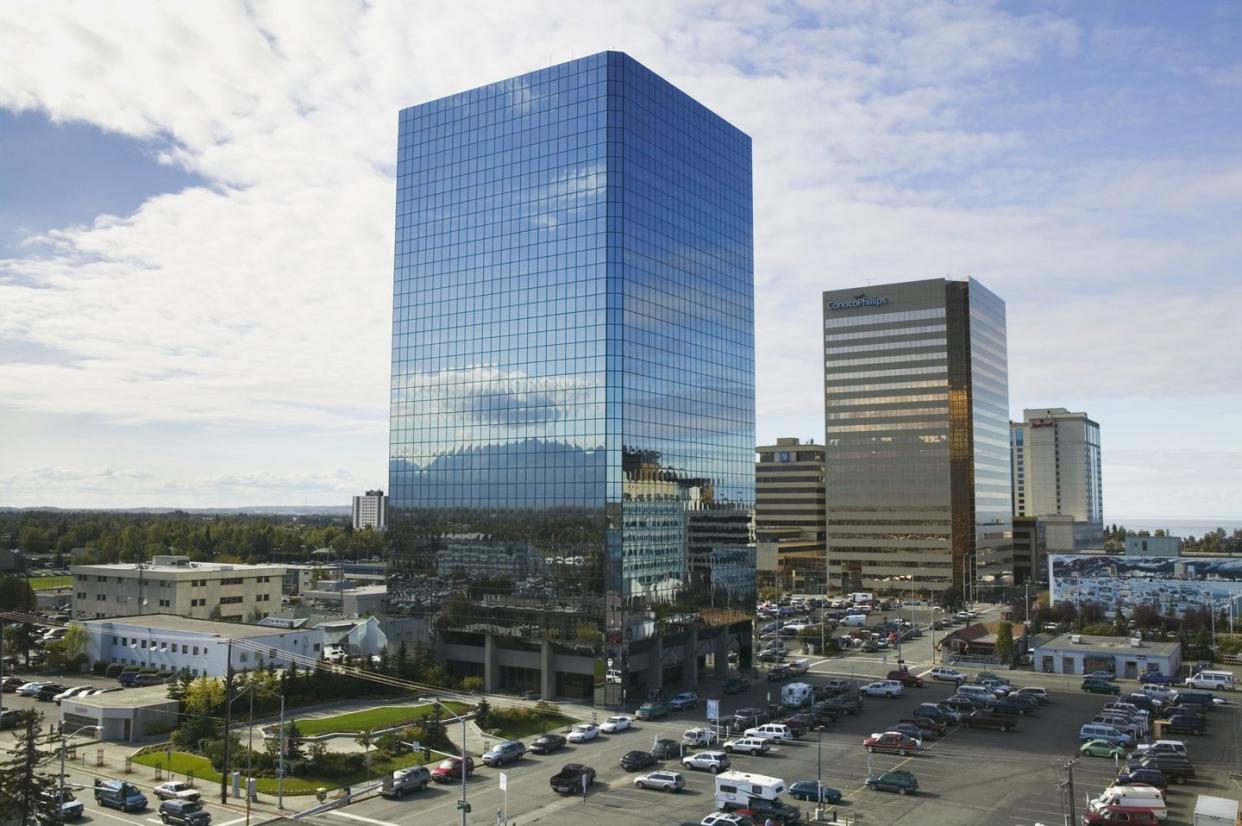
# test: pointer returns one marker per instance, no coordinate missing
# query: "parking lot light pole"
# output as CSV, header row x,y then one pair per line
x,y
64,746
465,755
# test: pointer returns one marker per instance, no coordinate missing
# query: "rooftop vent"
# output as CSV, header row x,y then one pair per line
x,y
1076,639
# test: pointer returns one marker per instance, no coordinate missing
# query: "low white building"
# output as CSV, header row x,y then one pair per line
x,y
351,602
358,637
1122,657
122,716
173,643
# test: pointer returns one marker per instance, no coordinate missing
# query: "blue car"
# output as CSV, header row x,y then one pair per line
x,y
1155,678
805,790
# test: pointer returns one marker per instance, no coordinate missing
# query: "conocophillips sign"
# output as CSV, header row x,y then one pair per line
x,y
857,301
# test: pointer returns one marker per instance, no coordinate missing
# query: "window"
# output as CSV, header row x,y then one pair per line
x,y
144,645
185,649
196,650
244,657
114,639
124,640
315,647
230,600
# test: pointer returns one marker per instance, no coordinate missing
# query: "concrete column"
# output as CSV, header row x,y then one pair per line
x,y
655,666
490,671
690,662
546,675
722,653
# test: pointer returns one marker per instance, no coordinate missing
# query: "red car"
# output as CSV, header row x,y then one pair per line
x,y
893,741
905,678
450,770
1130,815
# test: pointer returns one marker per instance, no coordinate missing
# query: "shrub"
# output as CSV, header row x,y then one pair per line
x,y
113,669
472,683
99,669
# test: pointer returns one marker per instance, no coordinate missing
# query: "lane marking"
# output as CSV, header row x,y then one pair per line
x,y
231,822
100,811
361,818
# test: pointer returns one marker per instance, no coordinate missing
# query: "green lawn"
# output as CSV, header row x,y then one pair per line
x,y
516,729
47,583
184,763
371,718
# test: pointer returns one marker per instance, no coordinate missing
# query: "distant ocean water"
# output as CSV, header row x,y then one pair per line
x,y
1177,527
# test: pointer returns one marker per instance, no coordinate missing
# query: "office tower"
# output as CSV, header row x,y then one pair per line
x,y
916,400
790,516
1056,470
371,511
573,372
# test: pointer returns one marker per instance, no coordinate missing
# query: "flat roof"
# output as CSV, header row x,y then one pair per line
x,y
1114,645
141,697
172,622
191,567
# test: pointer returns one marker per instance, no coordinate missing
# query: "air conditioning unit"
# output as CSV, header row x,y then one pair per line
x,y
1136,642
1076,639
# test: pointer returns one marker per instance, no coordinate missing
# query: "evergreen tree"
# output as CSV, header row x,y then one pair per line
x,y
1005,648
22,777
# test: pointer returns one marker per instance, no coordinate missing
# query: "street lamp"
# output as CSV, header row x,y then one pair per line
x,y
64,746
465,756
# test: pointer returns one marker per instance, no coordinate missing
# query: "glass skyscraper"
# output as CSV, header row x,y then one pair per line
x,y
916,399
572,379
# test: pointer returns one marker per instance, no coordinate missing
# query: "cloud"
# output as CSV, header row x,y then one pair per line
x,y
892,142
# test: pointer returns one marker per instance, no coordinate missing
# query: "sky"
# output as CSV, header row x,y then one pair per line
x,y
196,218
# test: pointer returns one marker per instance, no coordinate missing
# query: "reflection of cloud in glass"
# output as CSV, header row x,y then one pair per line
x,y
482,394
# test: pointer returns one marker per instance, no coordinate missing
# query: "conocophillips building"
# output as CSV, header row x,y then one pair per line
x,y
916,411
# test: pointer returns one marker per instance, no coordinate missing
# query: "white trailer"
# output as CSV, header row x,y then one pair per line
x,y
736,789
1215,811
796,695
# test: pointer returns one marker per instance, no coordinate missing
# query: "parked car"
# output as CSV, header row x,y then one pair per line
x,y
897,780
449,769
547,743
1011,705
1148,777
664,781
12,718
1185,724
184,813
932,712
892,741
652,711
1107,676
1155,677
801,723
883,688
11,684
665,749
683,701
846,704
779,673
635,760
510,751
708,761
177,790
574,777
747,745
30,689
47,691
699,736
616,723
1177,769
70,807
982,718
75,691
1000,689
1040,694
814,790
735,685
583,732
120,795
1098,686
1101,748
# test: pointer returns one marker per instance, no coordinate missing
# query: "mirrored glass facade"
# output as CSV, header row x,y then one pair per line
x,y
917,451
572,378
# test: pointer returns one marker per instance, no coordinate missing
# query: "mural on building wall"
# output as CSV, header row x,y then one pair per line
x,y
1170,584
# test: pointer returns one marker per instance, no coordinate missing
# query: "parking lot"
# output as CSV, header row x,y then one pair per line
x,y
968,777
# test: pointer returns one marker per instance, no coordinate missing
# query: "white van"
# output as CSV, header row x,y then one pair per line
x,y
735,789
854,619
1132,796
796,695
1218,680
799,666
1099,731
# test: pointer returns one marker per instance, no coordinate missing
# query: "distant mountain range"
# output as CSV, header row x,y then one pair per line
x,y
276,510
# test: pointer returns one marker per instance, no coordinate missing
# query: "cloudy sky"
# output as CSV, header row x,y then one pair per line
x,y
196,217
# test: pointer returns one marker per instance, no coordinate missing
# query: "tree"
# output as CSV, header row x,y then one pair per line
x,y
21,777
293,742
75,639
16,594
481,713
1005,647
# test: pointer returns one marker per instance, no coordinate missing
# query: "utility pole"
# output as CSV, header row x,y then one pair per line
x,y
280,757
228,707
1065,787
